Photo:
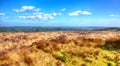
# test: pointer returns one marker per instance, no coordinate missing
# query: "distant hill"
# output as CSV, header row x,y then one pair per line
x,y
44,29
111,29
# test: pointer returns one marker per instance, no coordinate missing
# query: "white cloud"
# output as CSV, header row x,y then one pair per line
x,y
40,16
24,8
28,7
54,14
79,12
2,14
114,15
75,13
86,13
63,9
27,17
35,13
47,16
31,17
22,17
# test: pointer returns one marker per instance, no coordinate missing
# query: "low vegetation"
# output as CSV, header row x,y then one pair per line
x,y
64,51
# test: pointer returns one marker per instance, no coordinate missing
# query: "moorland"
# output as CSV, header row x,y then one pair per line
x,y
60,48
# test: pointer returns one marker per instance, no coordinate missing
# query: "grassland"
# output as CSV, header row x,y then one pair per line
x,y
68,48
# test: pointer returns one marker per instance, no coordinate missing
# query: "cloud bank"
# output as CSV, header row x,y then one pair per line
x,y
79,12
40,16
35,13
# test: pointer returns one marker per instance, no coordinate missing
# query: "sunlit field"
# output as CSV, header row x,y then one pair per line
x,y
68,48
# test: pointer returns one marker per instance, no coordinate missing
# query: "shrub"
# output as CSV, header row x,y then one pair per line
x,y
40,44
113,43
28,60
60,39
94,42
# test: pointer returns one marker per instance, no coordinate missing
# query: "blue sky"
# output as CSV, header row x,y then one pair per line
x,y
60,13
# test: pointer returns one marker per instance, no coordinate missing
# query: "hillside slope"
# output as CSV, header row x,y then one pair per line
x,y
80,48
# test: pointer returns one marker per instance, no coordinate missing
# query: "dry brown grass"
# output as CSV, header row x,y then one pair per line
x,y
60,39
94,42
59,48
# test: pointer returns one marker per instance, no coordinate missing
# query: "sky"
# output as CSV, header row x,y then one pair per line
x,y
60,13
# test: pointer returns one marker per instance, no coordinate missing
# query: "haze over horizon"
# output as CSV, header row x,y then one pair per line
x,y
60,13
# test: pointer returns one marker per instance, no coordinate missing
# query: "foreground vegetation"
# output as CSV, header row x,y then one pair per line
x,y
63,51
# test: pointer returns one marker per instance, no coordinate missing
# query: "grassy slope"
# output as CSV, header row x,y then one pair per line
x,y
63,52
